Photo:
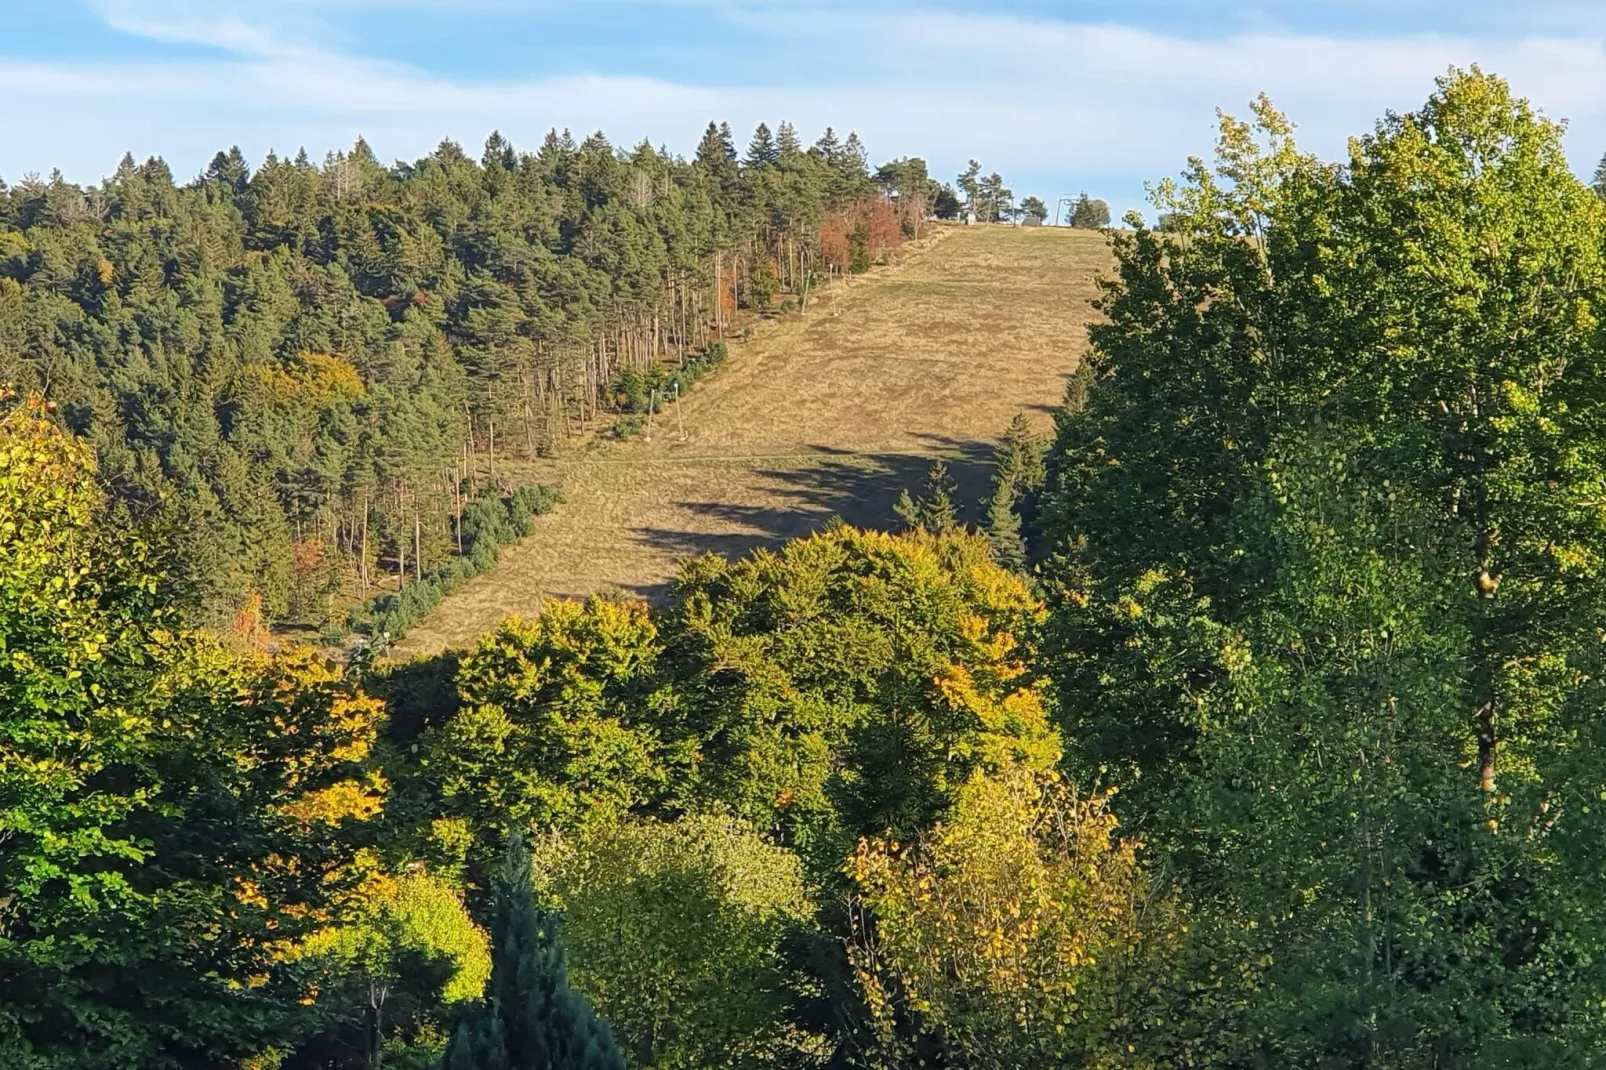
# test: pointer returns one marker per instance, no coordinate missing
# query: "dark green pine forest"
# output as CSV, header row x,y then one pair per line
x,y
307,372
1259,726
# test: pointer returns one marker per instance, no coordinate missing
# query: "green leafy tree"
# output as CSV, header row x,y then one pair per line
x,y
409,954
1360,614
1018,931
531,1019
847,684
555,723
1034,208
678,932
174,817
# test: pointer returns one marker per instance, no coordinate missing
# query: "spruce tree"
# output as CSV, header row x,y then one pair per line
x,y
829,147
938,513
1003,529
853,160
787,145
1089,213
1019,465
907,511
531,1019
761,151
1598,182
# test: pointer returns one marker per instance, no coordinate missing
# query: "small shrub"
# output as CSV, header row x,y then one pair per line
x,y
859,250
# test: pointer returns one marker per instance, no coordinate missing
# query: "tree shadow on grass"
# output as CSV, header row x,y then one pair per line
x,y
860,488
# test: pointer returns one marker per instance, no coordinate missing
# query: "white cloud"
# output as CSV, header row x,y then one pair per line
x,y
1053,105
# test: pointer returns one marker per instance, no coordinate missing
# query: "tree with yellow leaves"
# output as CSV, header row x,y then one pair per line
x,y
1018,932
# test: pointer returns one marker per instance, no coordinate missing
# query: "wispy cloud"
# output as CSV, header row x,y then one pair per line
x,y
1055,105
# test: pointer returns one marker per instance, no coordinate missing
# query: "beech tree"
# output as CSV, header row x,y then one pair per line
x,y
174,816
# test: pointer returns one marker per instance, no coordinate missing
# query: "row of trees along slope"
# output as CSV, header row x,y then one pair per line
x,y
309,370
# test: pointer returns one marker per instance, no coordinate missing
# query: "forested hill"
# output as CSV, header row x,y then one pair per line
x,y
306,371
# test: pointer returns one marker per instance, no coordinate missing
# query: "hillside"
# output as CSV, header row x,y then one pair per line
x,y
825,415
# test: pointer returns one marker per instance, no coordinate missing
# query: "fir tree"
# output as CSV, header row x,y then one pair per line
x,y
1598,183
531,1019
1019,458
229,170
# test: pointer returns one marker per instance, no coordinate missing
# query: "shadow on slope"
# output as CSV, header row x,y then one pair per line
x,y
860,488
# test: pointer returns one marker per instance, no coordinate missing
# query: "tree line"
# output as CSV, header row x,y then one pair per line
x,y
1258,728
308,371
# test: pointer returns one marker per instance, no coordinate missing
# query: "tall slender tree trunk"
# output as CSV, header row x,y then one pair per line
x,y
418,547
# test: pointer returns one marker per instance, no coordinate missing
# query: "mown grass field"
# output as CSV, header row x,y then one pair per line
x,y
829,414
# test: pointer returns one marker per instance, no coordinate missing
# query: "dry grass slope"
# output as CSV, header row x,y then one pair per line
x,y
826,415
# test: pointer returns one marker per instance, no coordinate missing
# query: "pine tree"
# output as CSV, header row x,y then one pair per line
x,y
1598,183
531,1018
1003,529
969,183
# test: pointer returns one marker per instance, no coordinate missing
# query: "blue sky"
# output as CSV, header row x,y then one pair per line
x,y
1058,96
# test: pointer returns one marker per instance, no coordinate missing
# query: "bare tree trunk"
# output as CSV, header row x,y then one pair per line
x,y
401,561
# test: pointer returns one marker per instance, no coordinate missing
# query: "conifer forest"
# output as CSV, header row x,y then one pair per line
x,y
1250,717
